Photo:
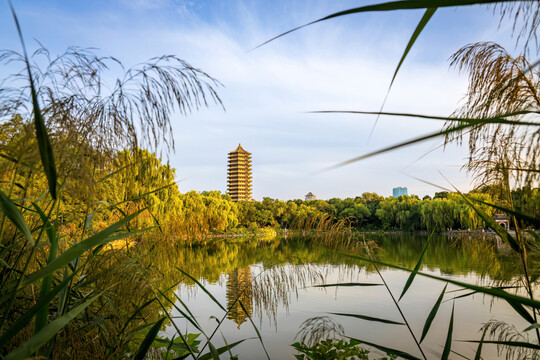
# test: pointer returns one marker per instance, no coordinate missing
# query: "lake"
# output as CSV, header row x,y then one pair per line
x,y
276,279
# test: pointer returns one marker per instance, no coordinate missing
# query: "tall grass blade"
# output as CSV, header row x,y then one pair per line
x,y
478,354
135,313
255,327
387,350
41,317
221,350
432,314
189,318
416,268
421,25
203,288
423,22
504,235
21,163
516,214
148,340
496,292
402,144
44,142
448,344
178,346
533,326
77,250
140,196
521,311
520,344
48,332
505,119
391,6
369,318
213,351
24,319
182,338
347,285
10,210
13,183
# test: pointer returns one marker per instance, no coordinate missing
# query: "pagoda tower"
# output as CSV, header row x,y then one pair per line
x,y
239,175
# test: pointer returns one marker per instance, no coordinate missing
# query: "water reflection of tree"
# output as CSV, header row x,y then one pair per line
x,y
264,275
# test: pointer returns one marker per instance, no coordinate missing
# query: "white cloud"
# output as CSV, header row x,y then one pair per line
x,y
343,64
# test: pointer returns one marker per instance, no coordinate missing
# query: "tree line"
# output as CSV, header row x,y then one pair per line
x,y
103,187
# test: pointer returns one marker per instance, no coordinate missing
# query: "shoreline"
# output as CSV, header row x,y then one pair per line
x,y
286,232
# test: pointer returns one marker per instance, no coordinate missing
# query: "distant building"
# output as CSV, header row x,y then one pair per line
x,y
397,192
502,220
239,175
310,196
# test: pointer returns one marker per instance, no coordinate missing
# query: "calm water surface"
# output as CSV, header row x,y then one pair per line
x,y
275,278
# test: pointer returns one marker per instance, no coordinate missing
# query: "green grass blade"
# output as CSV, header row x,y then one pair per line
x,y
77,250
120,169
202,287
10,210
21,163
42,315
213,351
189,317
520,344
255,327
478,355
13,183
221,350
432,314
448,344
148,340
369,318
156,221
391,6
135,313
533,326
387,349
50,230
48,332
402,144
462,296
346,285
423,22
504,235
44,142
521,311
534,234
140,196
24,320
416,268
516,214
505,119
496,292
421,25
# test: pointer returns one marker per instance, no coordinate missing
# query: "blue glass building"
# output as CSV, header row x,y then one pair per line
x,y
397,192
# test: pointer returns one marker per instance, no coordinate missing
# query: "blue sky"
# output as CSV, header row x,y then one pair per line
x,y
341,64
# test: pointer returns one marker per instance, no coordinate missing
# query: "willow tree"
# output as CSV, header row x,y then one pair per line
x,y
500,84
93,108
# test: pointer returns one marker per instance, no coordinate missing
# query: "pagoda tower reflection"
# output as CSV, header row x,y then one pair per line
x,y
239,287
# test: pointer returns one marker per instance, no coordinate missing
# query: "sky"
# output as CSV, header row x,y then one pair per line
x,y
269,94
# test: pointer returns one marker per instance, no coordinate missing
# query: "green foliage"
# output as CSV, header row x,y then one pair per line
x,y
331,349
